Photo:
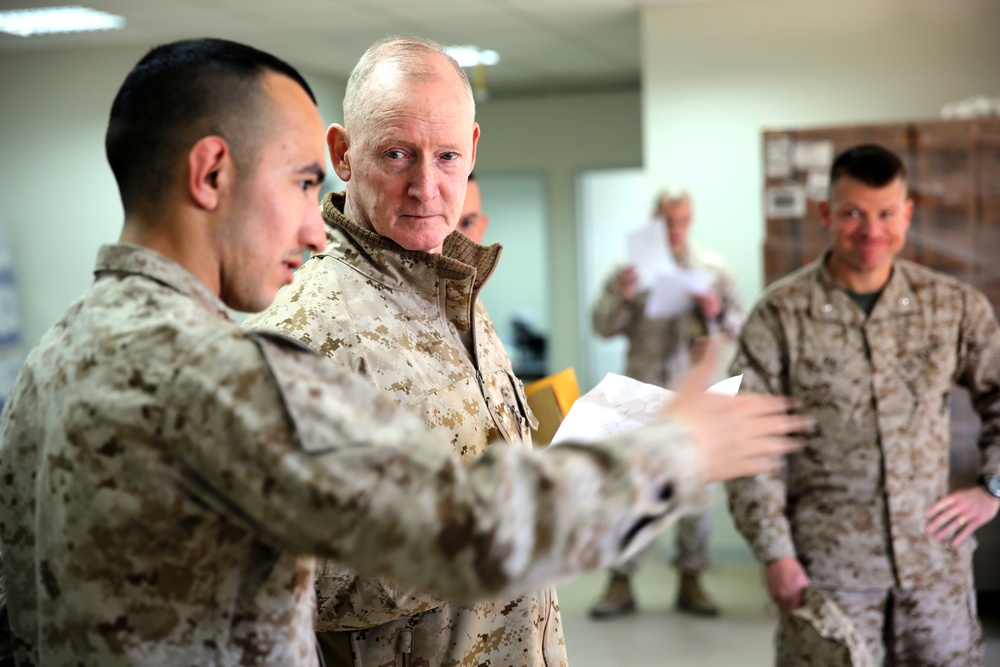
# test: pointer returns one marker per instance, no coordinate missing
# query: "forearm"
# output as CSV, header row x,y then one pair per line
x,y
336,469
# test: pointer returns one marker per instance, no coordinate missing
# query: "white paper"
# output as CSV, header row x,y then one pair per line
x,y
669,296
810,155
778,157
697,281
648,252
785,201
817,185
619,404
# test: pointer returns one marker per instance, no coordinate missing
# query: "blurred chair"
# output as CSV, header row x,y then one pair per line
x,y
550,399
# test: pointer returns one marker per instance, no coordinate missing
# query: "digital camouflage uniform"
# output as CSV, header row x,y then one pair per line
x,y
6,651
851,506
412,324
659,352
165,471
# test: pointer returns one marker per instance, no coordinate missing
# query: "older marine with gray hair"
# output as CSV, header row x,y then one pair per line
x,y
395,296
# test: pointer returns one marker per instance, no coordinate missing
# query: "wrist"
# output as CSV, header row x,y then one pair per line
x,y
990,485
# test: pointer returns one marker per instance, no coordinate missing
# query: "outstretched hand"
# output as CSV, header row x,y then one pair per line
x,y
736,435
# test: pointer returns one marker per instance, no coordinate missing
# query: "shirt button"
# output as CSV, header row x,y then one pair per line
x,y
827,308
905,301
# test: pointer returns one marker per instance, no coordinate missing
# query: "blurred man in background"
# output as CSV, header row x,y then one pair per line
x,y
660,350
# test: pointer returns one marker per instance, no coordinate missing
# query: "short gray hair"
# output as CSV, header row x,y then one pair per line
x,y
670,194
405,51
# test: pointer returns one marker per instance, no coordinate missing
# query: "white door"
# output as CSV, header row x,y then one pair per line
x,y
610,204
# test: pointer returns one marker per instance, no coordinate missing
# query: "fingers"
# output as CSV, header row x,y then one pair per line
x,y
786,580
736,436
957,516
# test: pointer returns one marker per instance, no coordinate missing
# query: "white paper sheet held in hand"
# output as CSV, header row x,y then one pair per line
x,y
648,252
670,288
619,403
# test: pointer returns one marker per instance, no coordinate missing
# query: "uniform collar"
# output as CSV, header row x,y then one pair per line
x,y
460,258
830,302
127,259
461,268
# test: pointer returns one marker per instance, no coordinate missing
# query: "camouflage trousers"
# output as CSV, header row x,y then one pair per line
x,y
936,625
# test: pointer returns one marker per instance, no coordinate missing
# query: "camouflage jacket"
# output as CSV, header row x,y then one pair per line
x,y
165,474
851,505
412,323
659,350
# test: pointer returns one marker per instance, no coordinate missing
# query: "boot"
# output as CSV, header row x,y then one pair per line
x,y
617,599
692,599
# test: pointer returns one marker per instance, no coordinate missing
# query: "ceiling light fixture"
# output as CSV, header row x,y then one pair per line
x,y
51,20
470,56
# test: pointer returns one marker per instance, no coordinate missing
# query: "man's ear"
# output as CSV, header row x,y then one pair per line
x,y
338,145
475,143
211,171
824,214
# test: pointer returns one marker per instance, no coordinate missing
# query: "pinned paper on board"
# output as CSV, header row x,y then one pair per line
x,y
778,157
817,185
813,155
785,201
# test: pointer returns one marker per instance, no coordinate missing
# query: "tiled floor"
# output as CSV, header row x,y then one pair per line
x,y
658,635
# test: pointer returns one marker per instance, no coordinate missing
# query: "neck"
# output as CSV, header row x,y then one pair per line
x,y
860,282
178,241
350,212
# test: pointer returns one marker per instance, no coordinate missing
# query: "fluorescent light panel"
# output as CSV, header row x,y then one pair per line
x,y
50,20
470,56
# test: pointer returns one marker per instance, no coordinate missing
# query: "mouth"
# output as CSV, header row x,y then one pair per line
x,y
290,265
421,217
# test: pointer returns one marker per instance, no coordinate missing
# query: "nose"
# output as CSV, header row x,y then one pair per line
x,y
423,181
867,224
313,232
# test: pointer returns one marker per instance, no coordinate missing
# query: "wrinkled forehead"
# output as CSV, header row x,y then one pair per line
x,y
426,113
431,88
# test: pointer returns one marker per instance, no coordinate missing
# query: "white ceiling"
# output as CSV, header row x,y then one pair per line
x,y
543,44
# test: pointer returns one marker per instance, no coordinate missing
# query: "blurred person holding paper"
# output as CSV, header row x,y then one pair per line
x,y
666,301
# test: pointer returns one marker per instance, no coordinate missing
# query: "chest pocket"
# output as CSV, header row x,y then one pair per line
x,y
508,405
821,377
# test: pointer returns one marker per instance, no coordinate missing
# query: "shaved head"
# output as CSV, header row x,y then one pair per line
x,y
376,82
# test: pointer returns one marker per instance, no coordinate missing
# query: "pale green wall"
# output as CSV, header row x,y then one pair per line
x,y
559,136
58,199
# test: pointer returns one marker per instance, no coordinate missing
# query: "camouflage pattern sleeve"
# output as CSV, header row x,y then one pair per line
x,y
758,503
343,472
6,650
978,370
612,315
